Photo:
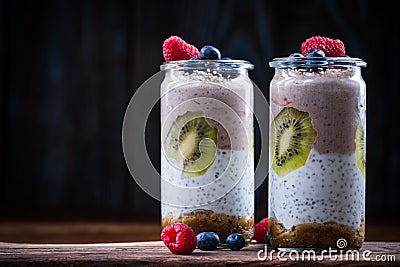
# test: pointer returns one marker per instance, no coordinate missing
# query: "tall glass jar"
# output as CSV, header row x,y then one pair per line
x,y
317,152
207,146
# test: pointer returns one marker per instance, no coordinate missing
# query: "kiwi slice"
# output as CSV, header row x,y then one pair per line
x,y
192,140
360,148
292,138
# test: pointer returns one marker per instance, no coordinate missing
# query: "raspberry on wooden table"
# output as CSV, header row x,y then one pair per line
x,y
260,229
179,238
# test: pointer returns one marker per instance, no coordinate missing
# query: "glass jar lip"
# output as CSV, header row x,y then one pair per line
x,y
207,64
306,62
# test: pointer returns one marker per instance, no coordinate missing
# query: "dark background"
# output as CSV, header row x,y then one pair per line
x,y
69,68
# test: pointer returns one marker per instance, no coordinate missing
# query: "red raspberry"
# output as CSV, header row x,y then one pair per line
x,y
260,229
174,48
331,47
179,238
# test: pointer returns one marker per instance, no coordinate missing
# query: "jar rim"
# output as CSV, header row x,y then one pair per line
x,y
204,64
330,62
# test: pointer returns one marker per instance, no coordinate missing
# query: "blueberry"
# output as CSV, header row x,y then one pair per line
x,y
235,241
266,239
226,58
315,53
207,240
210,52
194,58
296,55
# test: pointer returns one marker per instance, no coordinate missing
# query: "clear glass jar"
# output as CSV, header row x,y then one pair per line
x,y
317,153
207,161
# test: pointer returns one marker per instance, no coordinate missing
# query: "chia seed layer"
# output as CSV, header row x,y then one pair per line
x,y
227,186
329,188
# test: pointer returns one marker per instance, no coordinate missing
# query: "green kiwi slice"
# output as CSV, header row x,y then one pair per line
x,y
291,140
192,140
360,148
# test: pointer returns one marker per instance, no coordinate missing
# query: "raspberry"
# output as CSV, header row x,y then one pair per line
x,y
331,47
260,229
174,48
179,238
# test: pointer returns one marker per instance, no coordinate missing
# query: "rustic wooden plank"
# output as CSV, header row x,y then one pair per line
x,y
116,231
155,254
78,232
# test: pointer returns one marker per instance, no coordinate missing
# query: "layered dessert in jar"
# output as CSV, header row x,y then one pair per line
x,y
317,148
207,144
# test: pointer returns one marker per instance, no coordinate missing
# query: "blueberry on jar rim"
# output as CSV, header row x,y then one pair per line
x,y
296,55
210,52
315,53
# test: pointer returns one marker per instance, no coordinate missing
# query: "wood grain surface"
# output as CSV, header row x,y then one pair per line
x,y
156,254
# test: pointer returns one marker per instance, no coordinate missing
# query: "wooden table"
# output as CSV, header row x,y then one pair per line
x,y
156,254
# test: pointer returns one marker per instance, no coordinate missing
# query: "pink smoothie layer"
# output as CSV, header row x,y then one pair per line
x,y
213,101
333,100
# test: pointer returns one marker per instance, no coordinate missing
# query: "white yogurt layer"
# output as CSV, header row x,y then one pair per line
x,y
227,186
328,188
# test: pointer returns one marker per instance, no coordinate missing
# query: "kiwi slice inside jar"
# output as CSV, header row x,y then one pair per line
x,y
193,141
360,148
292,138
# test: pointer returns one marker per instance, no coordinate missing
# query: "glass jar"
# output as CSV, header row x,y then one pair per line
x,y
207,161
317,153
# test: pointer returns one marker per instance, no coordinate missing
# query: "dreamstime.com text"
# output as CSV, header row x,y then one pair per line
x,y
333,254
